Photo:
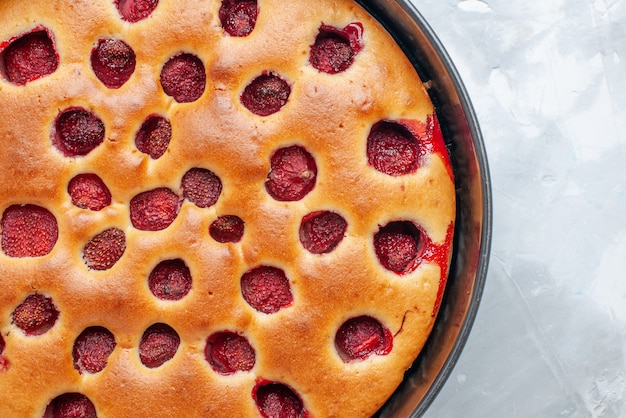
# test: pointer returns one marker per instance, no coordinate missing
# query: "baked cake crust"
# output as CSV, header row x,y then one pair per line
x,y
329,115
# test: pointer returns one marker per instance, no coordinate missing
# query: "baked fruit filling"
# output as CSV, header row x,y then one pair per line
x,y
266,289
398,246
229,353
92,349
361,337
70,405
322,231
201,187
135,10
183,77
154,136
238,17
88,191
28,231
77,132
159,343
231,208
113,61
35,315
227,228
154,209
29,56
104,249
266,94
278,400
292,174
170,280
334,49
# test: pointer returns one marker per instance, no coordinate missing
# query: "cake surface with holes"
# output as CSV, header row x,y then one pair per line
x,y
228,208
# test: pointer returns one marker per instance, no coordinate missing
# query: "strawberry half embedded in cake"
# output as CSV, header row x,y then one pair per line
x,y
183,77
170,280
228,353
113,61
135,10
28,231
292,175
70,405
322,231
360,337
238,17
266,289
266,94
392,149
35,315
334,49
88,191
201,187
154,136
155,209
274,399
158,344
77,132
227,228
105,249
92,349
398,246
4,362
29,57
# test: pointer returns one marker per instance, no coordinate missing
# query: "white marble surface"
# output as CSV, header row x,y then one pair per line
x,y
547,79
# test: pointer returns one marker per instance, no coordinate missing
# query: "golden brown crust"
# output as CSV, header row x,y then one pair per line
x,y
329,115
